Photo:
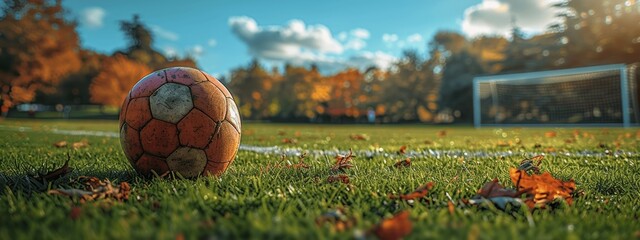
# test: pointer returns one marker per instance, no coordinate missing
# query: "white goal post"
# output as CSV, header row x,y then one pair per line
x,y
605,95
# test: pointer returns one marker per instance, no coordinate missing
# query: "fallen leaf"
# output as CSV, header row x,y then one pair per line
x,y
394,228
95,188
290,140
451,207
343,161
75,212
550,134
403,163
503,144
81,144
338,178
544,188
402,150
495,189
441,133
359,137
57,173
420,192
60,144
428,142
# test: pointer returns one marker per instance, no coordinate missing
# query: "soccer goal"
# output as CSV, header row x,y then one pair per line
x,y
604,95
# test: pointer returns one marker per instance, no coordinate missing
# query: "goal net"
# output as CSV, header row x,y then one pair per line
x,y
599,95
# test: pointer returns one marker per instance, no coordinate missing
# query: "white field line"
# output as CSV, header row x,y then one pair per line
x,y
437,153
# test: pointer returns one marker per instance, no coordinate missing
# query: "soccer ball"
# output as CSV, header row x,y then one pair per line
x,y
181,120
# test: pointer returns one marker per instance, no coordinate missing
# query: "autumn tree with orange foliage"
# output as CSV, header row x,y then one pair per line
x,y
38,47
116,78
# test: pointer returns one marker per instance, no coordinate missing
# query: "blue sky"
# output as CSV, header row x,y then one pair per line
x,y
333,34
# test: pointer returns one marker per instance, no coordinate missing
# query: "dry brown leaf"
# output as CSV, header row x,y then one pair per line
x,y
402,150
550,134
95,189
403,163
544,188
290,140
75,212
441,133
57,173
451,207
359,137
60,144
343,161
338,178
81,144
495,189
420,192
394,228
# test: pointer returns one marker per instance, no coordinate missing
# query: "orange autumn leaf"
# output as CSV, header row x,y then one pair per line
x,y
441,133
451,207
420,192
60,144
359,137
343,161
290,140
550,134
338,178
394,228
402,150
495,189
403,163
543,187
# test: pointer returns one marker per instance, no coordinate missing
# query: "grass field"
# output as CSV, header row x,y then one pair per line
x,y
256,199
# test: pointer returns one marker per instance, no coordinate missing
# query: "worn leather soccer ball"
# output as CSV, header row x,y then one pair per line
x,y
181,120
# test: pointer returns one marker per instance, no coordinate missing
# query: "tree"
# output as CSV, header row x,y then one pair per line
x,y
597,32
38,48
412,89
116,78
252,88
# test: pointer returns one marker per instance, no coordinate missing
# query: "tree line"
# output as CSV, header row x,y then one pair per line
x,y
433,86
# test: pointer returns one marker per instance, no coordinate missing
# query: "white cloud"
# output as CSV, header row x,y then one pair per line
x,y
284,42
163,33
170,51
494,17
298,44
92,17
196,51
414,38
212,42
389,38
342,36
360,33
355,44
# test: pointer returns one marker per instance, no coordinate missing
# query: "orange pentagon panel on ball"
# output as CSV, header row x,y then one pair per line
x,y
185,75
215,168
196,129
224,144
123,110
218,84
209,99
189,162
138,113
147,85
159,138
147,164
130,141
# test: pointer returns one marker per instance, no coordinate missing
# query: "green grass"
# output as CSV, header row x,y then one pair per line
x,y
248,202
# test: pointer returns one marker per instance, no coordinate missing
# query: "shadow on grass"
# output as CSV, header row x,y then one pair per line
x,y
29,184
